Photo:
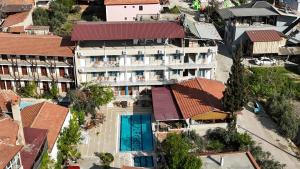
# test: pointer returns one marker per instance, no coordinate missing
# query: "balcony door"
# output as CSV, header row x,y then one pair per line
x,y
64,87
44,71
6,70
2,84
24,70
62,72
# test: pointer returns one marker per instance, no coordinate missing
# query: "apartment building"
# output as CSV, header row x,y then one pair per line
x,y
41,59
133,56
131,10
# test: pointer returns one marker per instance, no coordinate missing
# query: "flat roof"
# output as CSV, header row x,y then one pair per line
x,y
243,12
126,30
164,105
234,160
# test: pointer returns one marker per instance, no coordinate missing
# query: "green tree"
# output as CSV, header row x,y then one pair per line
x,y
58,15
54,90
40,17
176,151
66,3
235,94
46,161
289,124
29,90
68,140
106,159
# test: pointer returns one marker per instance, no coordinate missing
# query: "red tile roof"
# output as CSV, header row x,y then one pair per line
x,y
126,30
198,96
263,35
15,19
45,115
6,98
35,139
130,2
8,138
42,45
16,29
164,105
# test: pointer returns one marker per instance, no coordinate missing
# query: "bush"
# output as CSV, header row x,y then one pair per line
x,y
80,115
195,140
175,10
215,145
40,17
29,90
289,124
106,159
75,9
54,90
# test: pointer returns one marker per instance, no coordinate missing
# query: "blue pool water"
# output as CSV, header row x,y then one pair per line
x,y
24,104
136,133
143,161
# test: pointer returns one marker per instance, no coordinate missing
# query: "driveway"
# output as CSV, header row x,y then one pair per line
x,y
224,62
263,130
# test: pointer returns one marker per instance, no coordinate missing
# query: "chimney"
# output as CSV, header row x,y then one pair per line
x,y
17,117
221,161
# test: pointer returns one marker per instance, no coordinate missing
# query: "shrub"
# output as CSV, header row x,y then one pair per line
x,y
289,124
29,90
215,145
40,17
175,10
106,159
195,140
75,9
54,90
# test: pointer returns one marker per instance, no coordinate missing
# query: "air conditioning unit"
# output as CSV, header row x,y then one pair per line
x,y
123,52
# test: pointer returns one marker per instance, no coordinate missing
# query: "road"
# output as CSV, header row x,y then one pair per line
x,y
263,130
224,63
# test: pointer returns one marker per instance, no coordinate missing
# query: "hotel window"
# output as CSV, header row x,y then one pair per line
x,y
42,58
176,72
140,8
94,74
125,18
114,73
93,58
23,57
139,73
4,57
176,57
158,57
201,73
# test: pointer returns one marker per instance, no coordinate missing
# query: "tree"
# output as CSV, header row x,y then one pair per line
x,y
40,17
29,90
54,90
46,161
235,94
106,159
289,124
67,3
176,151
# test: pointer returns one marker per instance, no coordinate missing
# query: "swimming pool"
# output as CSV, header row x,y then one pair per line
x,y
24,104
143,161
136,133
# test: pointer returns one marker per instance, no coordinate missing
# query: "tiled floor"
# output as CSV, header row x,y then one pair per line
x,y
105,138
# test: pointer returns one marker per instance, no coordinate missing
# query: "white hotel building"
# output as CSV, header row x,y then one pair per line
x,y
133,56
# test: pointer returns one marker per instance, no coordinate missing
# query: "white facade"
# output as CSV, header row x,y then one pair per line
x,y
131,12
133,68
54,151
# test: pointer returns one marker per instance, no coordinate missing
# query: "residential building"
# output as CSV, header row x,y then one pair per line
x,y
232,160
292,4
195,104
131,10
40,59
133,56
258,15
16,22
50,117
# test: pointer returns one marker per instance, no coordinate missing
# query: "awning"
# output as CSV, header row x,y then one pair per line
x,y
164,105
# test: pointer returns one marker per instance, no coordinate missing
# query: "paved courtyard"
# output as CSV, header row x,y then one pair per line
x,y
105,138
263,130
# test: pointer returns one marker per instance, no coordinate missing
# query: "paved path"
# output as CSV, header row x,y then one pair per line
x,y
224,63
105,138
263,131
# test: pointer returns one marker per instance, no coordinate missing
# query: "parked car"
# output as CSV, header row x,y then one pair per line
x,y
264,61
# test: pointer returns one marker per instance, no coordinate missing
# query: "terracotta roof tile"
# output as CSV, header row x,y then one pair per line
x,y
16,29
35,139
45,116
8,138
44,45
130,2
15,19
6,98
198,96
17,2
126,30
263,35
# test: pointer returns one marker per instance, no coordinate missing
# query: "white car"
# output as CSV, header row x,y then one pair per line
x,y
265,61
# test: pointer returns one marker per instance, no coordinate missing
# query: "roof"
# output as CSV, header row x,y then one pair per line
x,y
16,29
129,167
201,29
6,98
126,30
164,105
34,27
34,139
8,138
39,115
42,45
227,13
263,35
198,96
232,160
17,2
130,2
15,19
17,5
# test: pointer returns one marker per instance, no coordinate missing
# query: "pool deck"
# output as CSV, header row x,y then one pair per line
x,y
107,139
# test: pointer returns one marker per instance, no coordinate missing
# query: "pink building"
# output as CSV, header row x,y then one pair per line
x,y
131,10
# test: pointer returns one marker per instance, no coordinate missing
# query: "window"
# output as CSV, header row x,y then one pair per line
x,y
140,8
93,58
125,18
112,73
139,73
125,6
158,57
23,57
42,58
94,74
4,57
176,72
177,56
201,73
60,59
140,58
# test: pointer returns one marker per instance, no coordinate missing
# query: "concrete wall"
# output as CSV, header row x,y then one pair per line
x,y
130,12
